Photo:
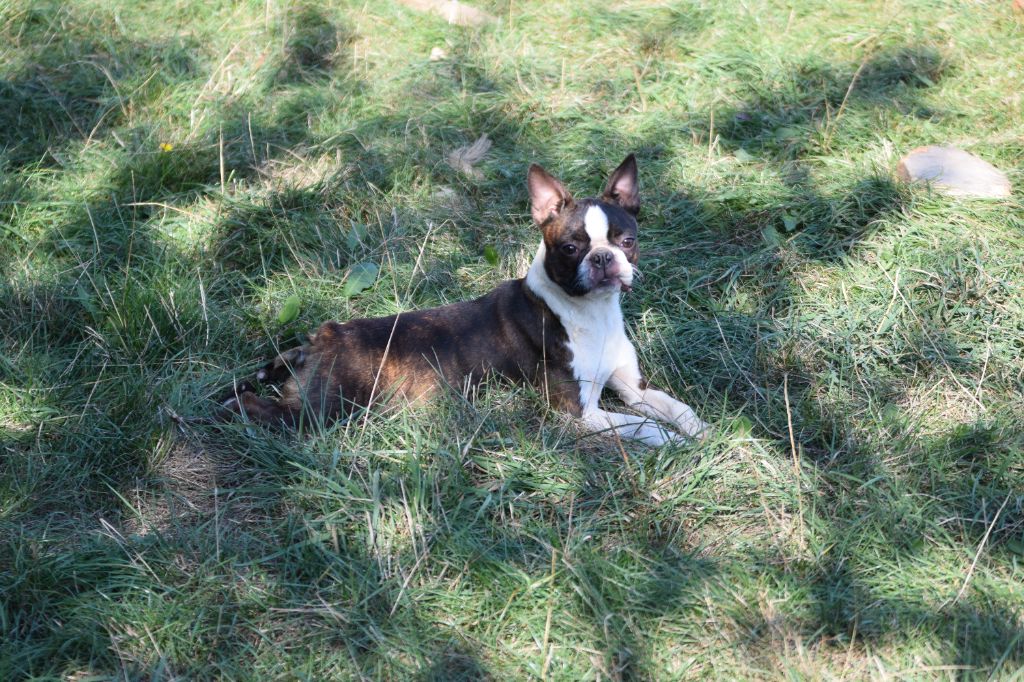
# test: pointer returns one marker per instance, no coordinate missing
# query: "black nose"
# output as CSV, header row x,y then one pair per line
x,y
601,258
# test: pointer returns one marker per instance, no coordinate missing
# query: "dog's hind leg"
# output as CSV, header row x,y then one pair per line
x,y
282,367
261,410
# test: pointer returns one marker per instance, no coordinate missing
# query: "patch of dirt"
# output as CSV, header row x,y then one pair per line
x,y
187,494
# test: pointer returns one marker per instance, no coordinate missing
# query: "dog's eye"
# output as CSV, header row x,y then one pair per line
x,y
628,243
569,249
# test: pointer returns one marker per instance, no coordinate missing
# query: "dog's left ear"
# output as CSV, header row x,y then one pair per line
x,y
623,188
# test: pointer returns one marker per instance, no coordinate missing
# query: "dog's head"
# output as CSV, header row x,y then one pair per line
x,y
590,245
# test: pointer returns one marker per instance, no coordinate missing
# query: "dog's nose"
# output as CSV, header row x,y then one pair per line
x,y
601,259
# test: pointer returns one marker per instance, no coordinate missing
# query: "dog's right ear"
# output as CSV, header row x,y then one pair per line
x,y
547,195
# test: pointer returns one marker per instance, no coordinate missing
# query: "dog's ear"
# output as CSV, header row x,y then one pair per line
x,y
547,195
623,188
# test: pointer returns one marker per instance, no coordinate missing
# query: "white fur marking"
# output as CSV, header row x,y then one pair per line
x,y
596,223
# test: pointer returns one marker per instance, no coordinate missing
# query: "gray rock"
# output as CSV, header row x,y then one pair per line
x,y
953,171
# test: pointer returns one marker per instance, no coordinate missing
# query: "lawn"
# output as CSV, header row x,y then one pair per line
x,y
172,174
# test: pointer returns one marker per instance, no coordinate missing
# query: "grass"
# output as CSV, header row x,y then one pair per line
x,y
174,172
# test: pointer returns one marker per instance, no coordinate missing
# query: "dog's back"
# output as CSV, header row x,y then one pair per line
x,y
411,356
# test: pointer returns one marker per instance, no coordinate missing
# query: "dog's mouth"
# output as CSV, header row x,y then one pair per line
x,y
613,282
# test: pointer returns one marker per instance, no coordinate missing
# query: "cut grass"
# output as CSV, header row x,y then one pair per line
x,y
174,172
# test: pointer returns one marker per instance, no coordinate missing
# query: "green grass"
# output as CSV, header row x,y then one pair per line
x,y
173,172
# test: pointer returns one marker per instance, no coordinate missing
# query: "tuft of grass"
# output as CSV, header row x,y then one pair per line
x,y
173,174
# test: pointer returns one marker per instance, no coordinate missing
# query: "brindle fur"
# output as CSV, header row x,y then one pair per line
x,y
413,355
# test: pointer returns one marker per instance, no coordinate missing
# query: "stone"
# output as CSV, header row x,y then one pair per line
x,y
953,171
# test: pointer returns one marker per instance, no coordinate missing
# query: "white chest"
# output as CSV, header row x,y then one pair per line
x,y
598,343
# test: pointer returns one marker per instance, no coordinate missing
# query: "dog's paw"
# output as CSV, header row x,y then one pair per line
x,y
655,435
230,403
689,438
700,433
282,367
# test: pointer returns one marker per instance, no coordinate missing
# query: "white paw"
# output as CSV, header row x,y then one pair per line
x,y
698,432
656,436
690,437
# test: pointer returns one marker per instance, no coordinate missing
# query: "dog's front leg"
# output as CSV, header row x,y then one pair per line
x,y
634,391
629,426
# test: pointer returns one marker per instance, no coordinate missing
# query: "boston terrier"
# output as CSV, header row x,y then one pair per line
x,y
559,328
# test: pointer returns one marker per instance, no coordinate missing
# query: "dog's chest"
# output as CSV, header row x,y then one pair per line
x,y
598,345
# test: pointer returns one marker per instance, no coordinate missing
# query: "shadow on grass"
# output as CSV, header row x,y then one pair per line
x,y
314,46
799,113
63,89
872,525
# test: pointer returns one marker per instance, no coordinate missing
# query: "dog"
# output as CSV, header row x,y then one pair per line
x,y
559,328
